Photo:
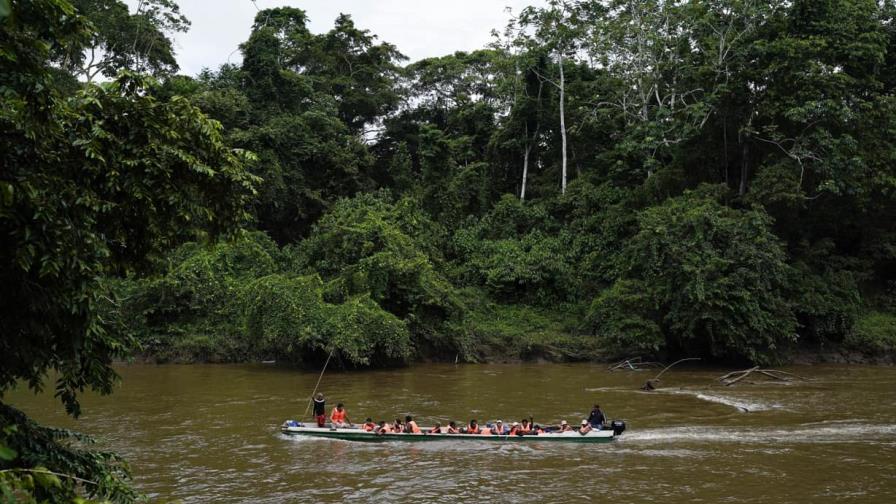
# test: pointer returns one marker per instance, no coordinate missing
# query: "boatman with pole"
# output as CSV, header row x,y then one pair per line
x,y
320,409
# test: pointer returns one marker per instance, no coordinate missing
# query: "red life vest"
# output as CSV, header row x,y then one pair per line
x,y
369,426
337,416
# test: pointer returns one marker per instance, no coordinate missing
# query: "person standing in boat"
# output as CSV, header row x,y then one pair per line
x,y
338,417
597,418
320,409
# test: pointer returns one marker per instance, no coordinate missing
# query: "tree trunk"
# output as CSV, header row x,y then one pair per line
x,y
562,124
525,171
529,142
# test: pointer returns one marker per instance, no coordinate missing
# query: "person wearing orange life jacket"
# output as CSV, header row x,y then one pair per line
x,y
515,429
338,417
452,428
369,426
411,426
564,426
473,428
525,427
499,429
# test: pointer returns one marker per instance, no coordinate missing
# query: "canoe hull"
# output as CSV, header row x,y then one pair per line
x,y
603,436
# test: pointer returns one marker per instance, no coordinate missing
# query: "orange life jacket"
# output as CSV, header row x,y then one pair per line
x,y
369,426
337,416
412,427
514,430
473,430
486,432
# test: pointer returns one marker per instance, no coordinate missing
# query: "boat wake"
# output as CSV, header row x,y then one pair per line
x,y
803,433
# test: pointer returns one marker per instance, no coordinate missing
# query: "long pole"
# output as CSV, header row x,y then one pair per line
x,y
319,378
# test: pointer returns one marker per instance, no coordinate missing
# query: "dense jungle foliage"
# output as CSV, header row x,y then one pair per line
x,y
691,177
708,178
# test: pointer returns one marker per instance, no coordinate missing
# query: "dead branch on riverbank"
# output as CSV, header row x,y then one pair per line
x,y
651,384
634,364
736,376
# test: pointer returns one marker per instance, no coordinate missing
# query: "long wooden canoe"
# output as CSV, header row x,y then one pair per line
x,y
356,434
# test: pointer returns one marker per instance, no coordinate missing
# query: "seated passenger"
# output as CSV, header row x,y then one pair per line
x,y
499,429
369,426
436,429
515,429
585,428
411,426
338,417
525,426
383,428
452,428
473,428
564,426
397,428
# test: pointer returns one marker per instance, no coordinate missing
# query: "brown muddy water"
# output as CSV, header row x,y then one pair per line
x,y
209,433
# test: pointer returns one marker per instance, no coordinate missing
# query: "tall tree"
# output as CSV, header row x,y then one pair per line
x,y
92,185
558,29
123,40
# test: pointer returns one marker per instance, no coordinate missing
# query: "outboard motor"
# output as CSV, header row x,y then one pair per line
x,y
618,427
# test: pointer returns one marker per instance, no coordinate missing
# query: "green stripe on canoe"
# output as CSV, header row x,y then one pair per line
x,y
416,438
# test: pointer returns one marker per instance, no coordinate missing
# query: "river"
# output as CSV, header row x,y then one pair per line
x,y
209,433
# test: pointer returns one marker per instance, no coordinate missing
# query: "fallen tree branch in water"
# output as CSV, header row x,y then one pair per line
x,y
634,364
736,376
743,374
651,384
